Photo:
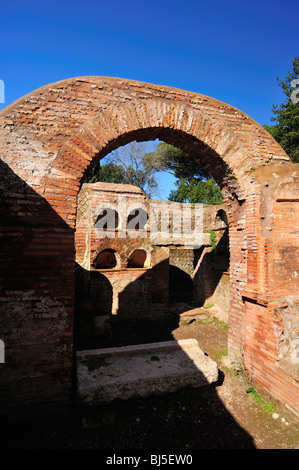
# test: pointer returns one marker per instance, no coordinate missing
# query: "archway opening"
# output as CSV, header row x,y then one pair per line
x,y
114,112
171,282
200,154
106,259
222,215
137,259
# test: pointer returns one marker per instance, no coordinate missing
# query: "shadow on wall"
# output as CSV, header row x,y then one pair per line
x,y
137,293
37,288
208,424
180,286
93,297
211,274
36,298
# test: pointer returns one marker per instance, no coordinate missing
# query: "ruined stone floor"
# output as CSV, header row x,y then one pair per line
x,y
221,416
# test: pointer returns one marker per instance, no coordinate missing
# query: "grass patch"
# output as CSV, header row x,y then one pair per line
x,y
257,398
220,323
217,322
222,352
268,407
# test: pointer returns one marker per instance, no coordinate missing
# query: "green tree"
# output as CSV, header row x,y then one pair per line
x,y
286,115
196,191
194,184
108,173
175,161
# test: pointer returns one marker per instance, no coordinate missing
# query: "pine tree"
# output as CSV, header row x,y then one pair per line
x,y
194,184
286,115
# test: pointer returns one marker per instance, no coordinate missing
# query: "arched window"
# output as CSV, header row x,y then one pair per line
x,y
137,259
106,259
137,219
222,254
107,219
221,214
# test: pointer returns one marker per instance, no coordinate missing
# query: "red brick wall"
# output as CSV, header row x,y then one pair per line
x,y
49,139
272,295
134,292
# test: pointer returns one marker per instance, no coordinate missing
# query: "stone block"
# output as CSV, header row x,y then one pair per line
x,y
142,370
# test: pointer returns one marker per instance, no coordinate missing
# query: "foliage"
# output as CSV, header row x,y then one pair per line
x,y
126,165
286,115
212,239
258,398
131,164
268,407
196,191
154,358
208,306
194,184
108,173
212,252
175,161
221,323
222,352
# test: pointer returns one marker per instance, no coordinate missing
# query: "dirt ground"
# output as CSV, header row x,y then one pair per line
x,y
231,414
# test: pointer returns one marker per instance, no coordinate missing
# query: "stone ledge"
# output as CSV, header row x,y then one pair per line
x,y
108,374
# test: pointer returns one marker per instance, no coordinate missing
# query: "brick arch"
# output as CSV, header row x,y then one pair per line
x,y
207,139
138,258
51,138
63,128
106,259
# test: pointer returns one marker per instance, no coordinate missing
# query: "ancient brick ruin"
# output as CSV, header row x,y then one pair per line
x,y
50,139
127,271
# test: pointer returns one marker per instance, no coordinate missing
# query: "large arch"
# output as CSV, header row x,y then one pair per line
x,y
50,139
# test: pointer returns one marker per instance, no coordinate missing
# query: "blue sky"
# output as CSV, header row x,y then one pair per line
x,y
230,50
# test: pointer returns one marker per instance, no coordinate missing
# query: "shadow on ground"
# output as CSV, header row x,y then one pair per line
x,y
190,418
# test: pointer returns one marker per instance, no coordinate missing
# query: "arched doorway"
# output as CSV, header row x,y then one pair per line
x,y
70,125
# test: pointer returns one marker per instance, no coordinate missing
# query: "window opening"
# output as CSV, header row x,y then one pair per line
x,y
106,259
137,259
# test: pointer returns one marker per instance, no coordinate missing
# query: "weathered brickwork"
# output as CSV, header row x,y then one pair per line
x,y
182,259
272,297
50,139
107,256
141,273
